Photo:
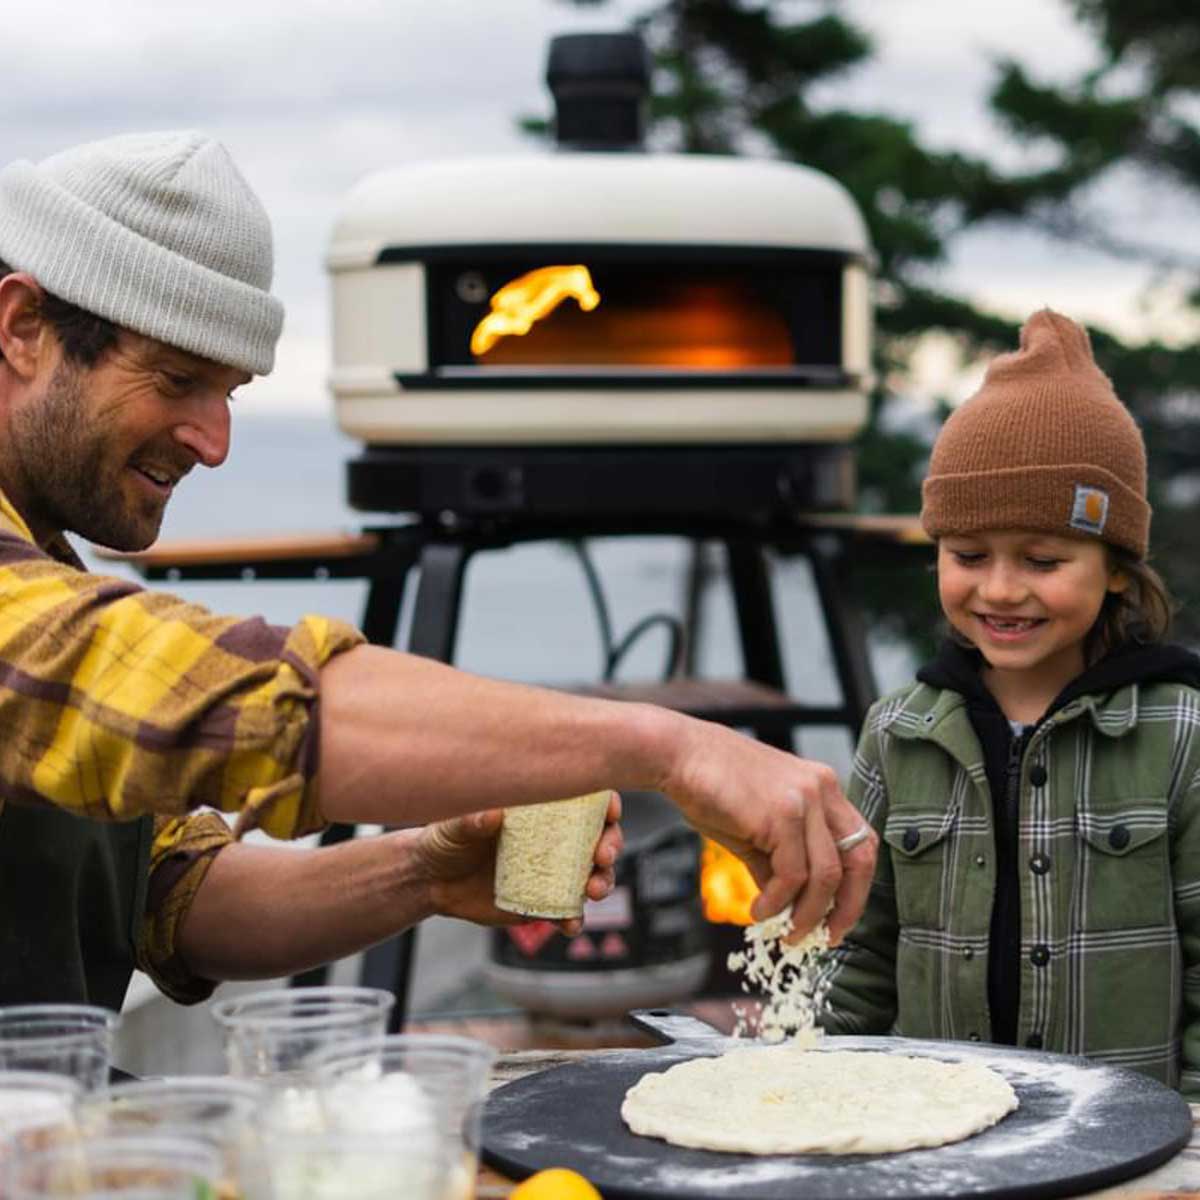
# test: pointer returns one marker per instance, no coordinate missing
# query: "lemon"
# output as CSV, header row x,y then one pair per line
x,y
557,1183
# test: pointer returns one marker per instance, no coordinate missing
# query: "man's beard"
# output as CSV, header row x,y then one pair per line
x,y
70,476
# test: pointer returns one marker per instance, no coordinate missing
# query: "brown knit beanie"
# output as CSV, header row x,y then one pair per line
x,y
1044,445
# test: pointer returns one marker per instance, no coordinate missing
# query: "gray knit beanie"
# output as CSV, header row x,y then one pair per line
x,y
158,233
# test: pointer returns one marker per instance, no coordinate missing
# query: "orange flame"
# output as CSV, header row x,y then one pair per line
x,y
529,298
726,886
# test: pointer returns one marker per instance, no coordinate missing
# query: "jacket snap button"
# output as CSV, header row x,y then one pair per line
x,y
1039,864
1037,775
968,953
912,839
980,861
972,1037
1118,837
1039,956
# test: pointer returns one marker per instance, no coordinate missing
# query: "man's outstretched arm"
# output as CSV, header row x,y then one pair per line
x,y
405,739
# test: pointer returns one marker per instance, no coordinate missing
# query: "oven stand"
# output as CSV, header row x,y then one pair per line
x,y
440,551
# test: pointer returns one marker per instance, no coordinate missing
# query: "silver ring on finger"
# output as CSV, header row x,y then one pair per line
x,y
851,840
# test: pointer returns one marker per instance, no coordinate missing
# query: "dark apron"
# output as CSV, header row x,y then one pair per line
x,y
72,895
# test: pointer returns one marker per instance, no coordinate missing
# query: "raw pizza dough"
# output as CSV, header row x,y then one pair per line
x,y
786,1099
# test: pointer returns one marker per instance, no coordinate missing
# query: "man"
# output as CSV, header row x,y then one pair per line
x,y
133,300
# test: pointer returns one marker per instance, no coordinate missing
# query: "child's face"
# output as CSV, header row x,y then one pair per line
x,y
1025,600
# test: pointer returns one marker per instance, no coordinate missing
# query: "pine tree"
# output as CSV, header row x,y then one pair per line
x,y
736,76
1135,112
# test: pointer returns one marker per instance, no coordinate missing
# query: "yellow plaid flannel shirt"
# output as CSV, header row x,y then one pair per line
x,y
116,702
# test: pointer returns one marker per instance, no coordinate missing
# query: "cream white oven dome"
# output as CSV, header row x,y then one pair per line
x,y
626,198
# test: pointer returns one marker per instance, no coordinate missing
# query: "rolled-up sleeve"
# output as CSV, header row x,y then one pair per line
x,y
183,850
117,701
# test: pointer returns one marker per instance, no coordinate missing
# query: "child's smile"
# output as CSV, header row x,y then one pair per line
x,y
1026,601
1008,629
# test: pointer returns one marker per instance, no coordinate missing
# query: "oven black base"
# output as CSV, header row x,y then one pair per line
x,y
739,482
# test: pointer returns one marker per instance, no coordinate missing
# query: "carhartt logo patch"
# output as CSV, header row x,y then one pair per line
x,y
1090,511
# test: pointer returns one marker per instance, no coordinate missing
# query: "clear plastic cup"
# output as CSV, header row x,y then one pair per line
x,y
219,1110
426,1088
117,1168
270,1035
37,1111
64,1039
336,1165
273,1032
545,856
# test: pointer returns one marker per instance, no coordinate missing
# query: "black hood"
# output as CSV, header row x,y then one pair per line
x,y
959,668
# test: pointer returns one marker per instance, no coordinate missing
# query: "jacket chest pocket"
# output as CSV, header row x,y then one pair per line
x,y
920,846
1125,868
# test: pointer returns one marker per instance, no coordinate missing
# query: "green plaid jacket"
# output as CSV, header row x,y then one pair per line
x,y
1110,879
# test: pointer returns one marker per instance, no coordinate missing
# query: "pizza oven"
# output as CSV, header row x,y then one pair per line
x,y
597,340
512,333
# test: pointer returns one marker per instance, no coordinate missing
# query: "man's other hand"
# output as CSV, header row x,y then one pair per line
x,y
458,859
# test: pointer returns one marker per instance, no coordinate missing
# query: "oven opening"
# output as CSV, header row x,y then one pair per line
x,y
599,317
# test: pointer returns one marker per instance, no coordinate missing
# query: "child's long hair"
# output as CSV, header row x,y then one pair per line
x,y
1141,613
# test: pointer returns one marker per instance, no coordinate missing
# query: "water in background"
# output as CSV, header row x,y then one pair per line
x,y
526,612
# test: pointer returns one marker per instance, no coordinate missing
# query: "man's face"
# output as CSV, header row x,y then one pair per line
x,y
99,450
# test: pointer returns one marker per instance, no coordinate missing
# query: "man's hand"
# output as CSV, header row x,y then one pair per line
x,y
458,859
781,815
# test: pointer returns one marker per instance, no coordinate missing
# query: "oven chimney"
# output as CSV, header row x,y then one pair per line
x,y
601,84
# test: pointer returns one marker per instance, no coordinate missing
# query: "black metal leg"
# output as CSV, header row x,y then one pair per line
x,y
381,615
757,629
693,602
439,594
385,596
389,966
434,628
846,628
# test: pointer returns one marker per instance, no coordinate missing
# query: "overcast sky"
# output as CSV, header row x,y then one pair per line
x,y
310,95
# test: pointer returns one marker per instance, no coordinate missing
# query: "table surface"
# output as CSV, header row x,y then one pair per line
x,y
1179,1176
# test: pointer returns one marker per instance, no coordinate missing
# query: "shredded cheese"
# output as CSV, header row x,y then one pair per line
x,y
787,978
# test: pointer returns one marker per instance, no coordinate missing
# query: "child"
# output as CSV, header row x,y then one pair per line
x,y
1037,790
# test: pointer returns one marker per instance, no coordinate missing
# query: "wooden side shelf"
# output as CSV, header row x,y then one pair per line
x,y
699,697
902,528
208,552
741,703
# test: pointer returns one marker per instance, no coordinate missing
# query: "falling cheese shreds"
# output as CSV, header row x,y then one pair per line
x,y
786,976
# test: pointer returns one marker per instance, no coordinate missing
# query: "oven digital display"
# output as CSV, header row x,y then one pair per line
x,y
575,315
